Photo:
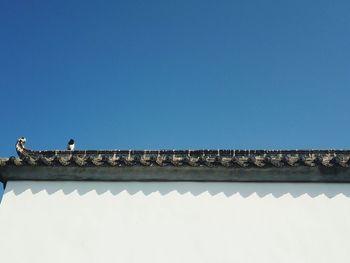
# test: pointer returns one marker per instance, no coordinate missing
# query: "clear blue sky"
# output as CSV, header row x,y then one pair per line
x,y
175,74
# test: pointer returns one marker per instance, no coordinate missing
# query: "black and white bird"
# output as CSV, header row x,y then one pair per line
x,y
70,146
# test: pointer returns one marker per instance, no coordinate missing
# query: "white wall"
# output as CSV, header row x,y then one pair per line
x,y
174,222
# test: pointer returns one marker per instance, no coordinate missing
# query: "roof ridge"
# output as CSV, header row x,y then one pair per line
x,y
210,158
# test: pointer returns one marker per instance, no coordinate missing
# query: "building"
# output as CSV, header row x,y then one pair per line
x,y
175,206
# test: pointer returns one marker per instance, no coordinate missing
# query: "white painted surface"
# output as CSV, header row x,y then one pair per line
x,y
174,222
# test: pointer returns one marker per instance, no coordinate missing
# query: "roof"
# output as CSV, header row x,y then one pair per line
x,y
331,162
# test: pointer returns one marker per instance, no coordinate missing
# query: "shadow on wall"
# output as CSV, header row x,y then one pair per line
x,y
329,190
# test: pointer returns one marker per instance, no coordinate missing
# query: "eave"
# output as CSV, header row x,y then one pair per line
x,y
178,165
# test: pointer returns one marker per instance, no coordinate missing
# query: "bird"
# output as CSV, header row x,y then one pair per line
x,y
70,146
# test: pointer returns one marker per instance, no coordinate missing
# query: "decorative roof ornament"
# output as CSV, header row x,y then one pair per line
x,y
20,145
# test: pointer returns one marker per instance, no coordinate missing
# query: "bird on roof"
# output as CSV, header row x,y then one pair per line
x,y
70,146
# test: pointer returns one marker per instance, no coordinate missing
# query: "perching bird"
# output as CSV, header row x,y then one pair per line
x,y
70,146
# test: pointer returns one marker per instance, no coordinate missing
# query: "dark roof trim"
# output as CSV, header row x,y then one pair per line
x,y
178,165
192,158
